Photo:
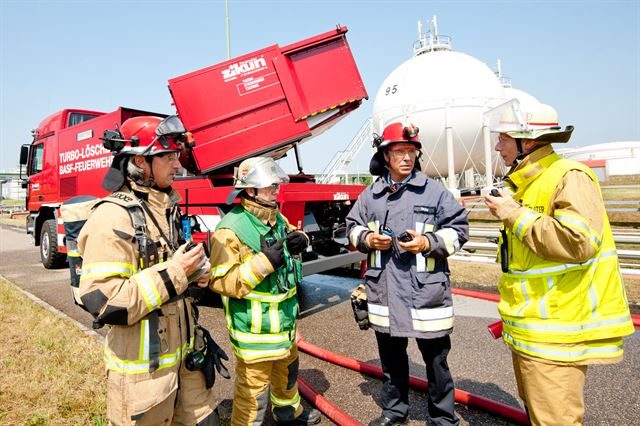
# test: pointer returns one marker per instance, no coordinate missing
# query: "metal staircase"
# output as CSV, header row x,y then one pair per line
x,y
342,159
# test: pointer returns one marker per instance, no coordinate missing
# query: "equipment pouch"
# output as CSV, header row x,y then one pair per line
x,y
148,252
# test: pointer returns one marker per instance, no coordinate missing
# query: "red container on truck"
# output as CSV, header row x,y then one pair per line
x,y
263,103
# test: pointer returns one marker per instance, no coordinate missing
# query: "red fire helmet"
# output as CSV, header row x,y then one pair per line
x,y
147,135
399,132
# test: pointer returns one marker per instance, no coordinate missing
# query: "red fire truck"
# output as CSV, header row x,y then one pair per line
x,y
263,103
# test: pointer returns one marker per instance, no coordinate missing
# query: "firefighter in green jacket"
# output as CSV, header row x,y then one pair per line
x,y
562,300
254,253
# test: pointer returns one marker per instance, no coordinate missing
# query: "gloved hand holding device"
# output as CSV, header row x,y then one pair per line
x,y
274,253
297,242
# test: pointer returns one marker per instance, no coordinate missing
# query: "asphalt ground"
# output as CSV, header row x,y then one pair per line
x,y
479,364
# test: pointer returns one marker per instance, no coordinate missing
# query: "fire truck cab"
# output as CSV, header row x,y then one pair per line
x,y
65,159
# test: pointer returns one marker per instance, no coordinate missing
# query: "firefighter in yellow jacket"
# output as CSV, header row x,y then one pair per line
x,y
256,270
562,299
134,279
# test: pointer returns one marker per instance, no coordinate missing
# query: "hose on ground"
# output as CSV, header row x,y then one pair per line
x,y
463,397
328,409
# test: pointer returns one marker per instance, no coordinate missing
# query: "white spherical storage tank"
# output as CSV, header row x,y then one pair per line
x,y
523,97
441,91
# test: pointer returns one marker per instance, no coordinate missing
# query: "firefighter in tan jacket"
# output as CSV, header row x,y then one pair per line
x,y
134,279
562,301
256,270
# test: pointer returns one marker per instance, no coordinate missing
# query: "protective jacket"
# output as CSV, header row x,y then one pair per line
x,y
562,298
261,304
151,321
409,295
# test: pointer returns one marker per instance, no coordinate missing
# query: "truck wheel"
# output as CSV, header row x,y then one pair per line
x,y
51,259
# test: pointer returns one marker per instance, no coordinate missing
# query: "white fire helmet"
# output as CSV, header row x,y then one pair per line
x,y
535,121
256,172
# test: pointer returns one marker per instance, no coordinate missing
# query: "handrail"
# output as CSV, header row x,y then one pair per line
x,y
343,158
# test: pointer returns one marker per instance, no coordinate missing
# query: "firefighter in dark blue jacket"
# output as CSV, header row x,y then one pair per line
x,y
408,224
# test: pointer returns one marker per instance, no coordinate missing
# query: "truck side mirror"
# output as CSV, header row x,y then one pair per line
x,y
24,159
24,155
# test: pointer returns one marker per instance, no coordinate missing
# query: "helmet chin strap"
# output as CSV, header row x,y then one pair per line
x,y
262,202
151,181
521,154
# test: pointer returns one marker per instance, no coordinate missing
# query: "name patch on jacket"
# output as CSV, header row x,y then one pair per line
x,y
539,209
424,209
121,196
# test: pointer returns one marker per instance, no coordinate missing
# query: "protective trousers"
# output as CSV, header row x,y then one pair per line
x,y
190,404
395,387
251,395
552,393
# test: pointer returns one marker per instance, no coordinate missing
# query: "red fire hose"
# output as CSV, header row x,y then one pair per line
x,y
476,294
334,413
461,396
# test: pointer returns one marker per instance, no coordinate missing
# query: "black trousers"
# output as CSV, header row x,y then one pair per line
x,y
395,387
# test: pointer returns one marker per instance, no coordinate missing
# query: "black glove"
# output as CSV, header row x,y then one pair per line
x,y
213,359
296,242
274,253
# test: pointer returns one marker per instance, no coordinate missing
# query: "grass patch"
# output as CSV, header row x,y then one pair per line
x,y
623,180
52,374
625,193
19,221
12,203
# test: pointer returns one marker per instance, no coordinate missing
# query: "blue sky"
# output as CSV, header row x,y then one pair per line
x,y
582,57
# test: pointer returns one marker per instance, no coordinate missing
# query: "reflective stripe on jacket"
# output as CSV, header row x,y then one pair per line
x,y
563,301
409,295
261,304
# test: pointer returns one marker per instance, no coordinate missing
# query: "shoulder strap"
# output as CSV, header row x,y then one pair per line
x,y
155,222
140,230
134,206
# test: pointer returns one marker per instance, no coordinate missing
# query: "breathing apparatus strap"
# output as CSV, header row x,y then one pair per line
x,y
139,223
157,225
140,228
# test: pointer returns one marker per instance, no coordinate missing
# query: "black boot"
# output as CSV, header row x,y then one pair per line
x,y
307,417
385,421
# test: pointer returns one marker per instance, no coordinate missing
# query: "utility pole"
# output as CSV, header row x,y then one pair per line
x,y
226,5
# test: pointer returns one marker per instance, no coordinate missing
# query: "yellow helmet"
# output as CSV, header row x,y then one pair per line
x,y
534,121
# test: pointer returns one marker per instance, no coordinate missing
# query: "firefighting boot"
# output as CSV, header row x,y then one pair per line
x,y
307,417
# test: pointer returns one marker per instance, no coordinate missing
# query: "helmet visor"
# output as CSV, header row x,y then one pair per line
x,y
170,126
506,118
264,174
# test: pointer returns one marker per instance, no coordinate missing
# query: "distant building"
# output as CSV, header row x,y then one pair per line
x,y
608,159
11,186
